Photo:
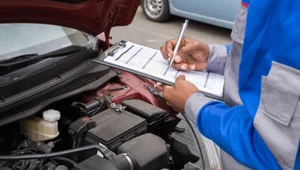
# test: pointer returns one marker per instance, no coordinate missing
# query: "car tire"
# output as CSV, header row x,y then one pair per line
x,y
156,10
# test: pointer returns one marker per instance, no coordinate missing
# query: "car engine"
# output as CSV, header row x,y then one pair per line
x,y
121,125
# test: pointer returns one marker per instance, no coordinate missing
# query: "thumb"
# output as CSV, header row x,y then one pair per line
x,y
166,92
180,77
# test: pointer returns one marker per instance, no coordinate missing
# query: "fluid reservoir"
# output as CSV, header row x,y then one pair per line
x,y
41,129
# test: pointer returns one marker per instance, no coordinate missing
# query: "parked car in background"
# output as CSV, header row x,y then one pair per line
x,y
215,12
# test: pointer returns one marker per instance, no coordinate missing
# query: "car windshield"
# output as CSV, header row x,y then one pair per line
x,y
20,39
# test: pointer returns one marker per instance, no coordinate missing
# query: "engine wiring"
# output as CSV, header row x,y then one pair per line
x,y
31,164
106,99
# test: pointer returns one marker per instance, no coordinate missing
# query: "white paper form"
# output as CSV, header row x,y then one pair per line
x,y
150,62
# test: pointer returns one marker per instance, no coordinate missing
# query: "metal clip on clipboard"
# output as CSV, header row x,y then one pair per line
x,y
115,48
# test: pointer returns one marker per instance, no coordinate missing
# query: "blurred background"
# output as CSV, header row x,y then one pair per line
x,y
153,26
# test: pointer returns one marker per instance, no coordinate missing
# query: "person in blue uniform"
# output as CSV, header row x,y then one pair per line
x,y
258,124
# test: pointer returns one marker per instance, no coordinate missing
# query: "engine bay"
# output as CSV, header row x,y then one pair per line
x,y
121,125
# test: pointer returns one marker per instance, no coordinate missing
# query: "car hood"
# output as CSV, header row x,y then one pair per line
x,y
90,16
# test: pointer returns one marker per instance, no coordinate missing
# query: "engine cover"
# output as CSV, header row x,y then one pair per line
x,y
114,128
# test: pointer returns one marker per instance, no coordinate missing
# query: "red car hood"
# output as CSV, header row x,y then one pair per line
x,y
90,16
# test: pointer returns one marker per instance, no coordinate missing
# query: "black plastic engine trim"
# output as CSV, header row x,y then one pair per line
x,y
34,109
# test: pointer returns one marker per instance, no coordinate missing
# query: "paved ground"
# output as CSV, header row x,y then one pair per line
x,y
152,34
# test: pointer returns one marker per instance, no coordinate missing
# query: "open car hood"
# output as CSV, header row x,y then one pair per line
x,y
90,16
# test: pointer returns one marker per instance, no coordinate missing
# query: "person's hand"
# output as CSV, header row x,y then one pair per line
x,y
192,55
176,96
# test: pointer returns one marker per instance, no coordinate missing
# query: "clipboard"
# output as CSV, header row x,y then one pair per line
x,y
136,59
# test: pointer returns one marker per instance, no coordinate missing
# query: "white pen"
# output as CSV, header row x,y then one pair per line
x,y
178,44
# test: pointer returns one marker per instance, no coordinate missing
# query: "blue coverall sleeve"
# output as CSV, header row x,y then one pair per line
x,y
232,130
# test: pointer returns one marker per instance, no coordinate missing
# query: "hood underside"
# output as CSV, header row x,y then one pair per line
x,y
90,16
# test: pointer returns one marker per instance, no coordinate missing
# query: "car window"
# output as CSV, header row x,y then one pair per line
x,y
19,39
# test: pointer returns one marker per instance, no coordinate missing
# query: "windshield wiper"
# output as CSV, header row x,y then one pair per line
x,y
21,59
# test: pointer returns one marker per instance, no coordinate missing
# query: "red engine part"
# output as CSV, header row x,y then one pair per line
x,y
136,89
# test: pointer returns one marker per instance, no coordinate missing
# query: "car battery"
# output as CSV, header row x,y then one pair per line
x,y
114,128
156,117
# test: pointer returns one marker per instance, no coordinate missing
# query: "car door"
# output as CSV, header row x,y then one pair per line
x,y
216,12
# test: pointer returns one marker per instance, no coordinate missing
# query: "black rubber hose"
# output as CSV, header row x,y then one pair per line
x,y
53,154
121,162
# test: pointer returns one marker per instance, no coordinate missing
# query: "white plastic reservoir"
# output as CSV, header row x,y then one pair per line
x,y
41,129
